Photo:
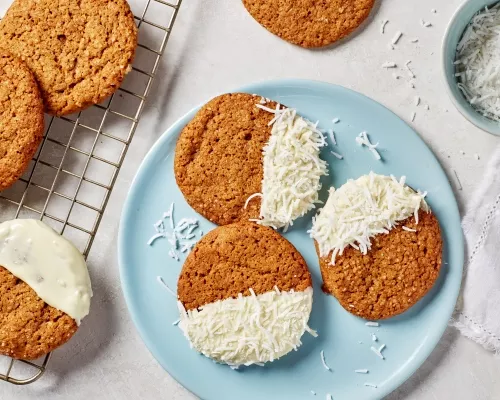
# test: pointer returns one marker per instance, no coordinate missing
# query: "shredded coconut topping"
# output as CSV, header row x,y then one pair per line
x,y
292,169
478,62
250,329
361,209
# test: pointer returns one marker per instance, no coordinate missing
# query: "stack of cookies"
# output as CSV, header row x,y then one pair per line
x,y
56,57
59,58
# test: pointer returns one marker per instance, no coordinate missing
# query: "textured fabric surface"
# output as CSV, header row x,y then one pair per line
x,y
477,314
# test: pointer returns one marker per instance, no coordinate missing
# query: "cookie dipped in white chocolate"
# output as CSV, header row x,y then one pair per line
x,y
50,264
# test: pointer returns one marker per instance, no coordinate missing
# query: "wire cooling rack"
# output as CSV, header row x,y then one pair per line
x,y
69,181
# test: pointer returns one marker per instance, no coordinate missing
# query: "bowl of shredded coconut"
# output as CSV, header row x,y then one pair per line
x,y
471,63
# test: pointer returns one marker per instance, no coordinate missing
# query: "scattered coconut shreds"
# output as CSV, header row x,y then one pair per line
x,y
413,115
389,64
360,342
370,385
329,396
374,337
361,371
323,361
175,323
427,107
313,392
371,323
477,63
337,155
363,140
417,100
427,24
377,352
382,27
476,156
262,100
434,11
335,120
414,40
396,76
405,228
462,152
381,348
396,38
411,84
162,282
181,233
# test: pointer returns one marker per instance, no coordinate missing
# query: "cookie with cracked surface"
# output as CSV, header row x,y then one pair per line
x,y
398,270
310,23
79,51
21,118
29,327
233,258
218,157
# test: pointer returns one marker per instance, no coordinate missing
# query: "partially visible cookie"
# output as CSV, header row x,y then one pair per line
x,y
45,289
245,294
310,23
218,157
29,327
399,269
79,51
21,118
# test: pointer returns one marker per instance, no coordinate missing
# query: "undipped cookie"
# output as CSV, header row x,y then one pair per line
x,y
245,295
21,118
79,51
310,23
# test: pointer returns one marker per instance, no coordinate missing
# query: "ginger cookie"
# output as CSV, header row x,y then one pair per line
x,y
21,118
379,246
243,157
245,295
310,23
44,289
79,51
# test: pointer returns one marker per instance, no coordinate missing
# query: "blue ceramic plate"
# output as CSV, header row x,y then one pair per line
x,y
345,339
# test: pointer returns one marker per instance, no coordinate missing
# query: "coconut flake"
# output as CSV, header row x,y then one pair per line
x,y
323,361
382,27
389,64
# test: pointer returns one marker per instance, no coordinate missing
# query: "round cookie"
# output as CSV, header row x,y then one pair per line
x,y
310,23
79,51
218,157
29,327
398,270
245,295
21,118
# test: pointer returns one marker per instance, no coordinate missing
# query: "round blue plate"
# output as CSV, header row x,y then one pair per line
x,y
345,339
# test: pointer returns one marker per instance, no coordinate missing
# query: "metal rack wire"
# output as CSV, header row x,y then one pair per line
x,y
69,181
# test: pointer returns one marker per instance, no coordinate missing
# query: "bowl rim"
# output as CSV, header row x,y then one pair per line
x,y
470,114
